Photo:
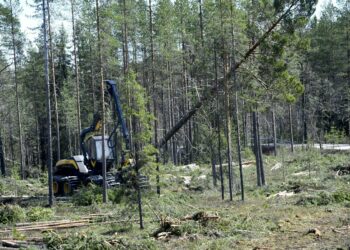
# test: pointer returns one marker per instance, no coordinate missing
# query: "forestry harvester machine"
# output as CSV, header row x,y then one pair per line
x,y
83,169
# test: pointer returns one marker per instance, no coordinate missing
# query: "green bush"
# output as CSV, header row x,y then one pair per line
x,y
76,241
11,214
341,196
88,195
335,136
117,195
324,198
39,213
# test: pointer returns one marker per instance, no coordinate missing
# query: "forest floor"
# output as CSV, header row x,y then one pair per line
x,y
305,205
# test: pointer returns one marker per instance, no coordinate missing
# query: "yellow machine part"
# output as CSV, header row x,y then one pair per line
x,y
67,189
65,162
55,187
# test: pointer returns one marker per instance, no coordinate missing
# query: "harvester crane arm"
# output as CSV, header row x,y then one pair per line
x,y
112,89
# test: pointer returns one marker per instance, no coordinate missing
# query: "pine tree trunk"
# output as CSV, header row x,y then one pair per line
x,y
76,71
12,150
256,148
2,158
48,108
291,128
58,137
239,147
18,111
274,132
102,100
218,127
92,79
261,162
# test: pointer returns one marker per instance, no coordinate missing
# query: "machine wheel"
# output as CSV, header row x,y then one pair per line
x,y
56,188
69,185
67,188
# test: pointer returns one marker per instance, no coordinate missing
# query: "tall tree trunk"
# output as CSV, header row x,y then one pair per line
x,y
201,22
76,70
153,82
245,126
256,148
226,70
291,128
274,132
58,137
18,111
2,157
102,104
239,147
92,78
48,107
261,162
218,127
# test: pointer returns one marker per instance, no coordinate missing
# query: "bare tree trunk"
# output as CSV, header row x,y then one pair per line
x,y
76,70
155,109
274,132
239,147
58,137
226,69
12,150
256,148
19,120
245,126
92,78
102,100
201,22
48,107
2,158
218,128
261,162
291,128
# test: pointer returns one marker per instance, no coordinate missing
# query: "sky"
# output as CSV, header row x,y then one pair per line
x,y
29,23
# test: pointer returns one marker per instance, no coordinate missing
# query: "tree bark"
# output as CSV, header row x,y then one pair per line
x,y
19,119
261,162
218,127
48,108
274,132
291,128
102,100
256,148
58,137
76,71
2,158
239,147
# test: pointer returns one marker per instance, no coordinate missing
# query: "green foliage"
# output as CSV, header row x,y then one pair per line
x,y
88,240
39,213
88,195
118,195
335,136
121,228
11,214
324,198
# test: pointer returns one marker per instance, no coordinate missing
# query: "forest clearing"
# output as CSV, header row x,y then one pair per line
x,y
175,124
308,212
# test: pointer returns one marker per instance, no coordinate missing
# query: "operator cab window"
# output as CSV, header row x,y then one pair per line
x,y
108,150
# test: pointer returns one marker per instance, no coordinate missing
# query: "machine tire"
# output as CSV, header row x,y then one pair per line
x,y
56,188
67,188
